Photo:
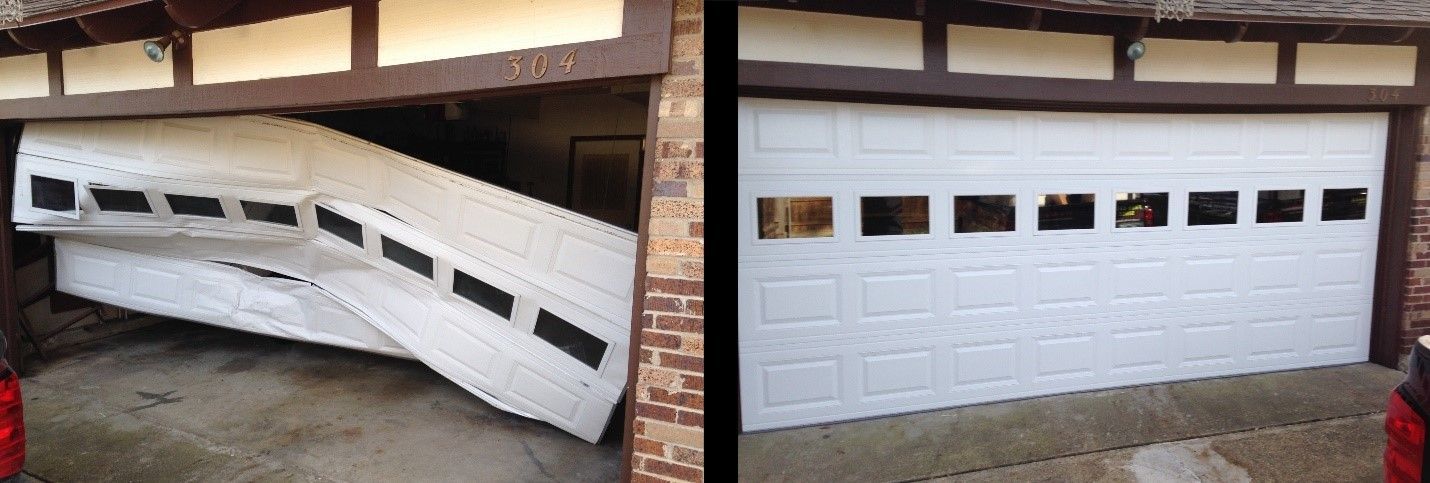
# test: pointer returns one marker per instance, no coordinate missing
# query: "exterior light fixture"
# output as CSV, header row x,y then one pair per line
x,y
154,49
1136,50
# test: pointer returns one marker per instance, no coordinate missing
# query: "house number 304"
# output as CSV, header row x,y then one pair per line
x,y
1383,94
539,65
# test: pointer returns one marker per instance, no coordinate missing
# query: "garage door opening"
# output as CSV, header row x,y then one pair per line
x,y
577,149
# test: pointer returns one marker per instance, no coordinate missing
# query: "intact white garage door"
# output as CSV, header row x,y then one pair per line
x,y
896,259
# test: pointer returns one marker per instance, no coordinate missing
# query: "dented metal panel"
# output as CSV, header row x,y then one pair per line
x,y
395,237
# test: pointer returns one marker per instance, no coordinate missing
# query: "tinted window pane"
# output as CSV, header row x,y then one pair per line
x,y
980,214
483,294
340,226
280,214
1280,206
806,217
1141,210
1062,211
1343,204
1211,208
51,194
407,257
195,205
121,200
893,215
583,346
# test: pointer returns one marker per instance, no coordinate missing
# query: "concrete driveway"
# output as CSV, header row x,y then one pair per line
x,y
1318,424
186,402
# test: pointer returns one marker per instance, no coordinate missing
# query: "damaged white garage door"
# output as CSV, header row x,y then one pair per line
x,y
523,303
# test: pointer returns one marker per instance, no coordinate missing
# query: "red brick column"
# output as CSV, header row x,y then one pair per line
x,y
669,429
1417,278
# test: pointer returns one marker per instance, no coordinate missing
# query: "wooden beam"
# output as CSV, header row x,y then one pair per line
x,y
1035,19
196,14
124,24
1335,34
780,79
1237,32
48,36
1405,35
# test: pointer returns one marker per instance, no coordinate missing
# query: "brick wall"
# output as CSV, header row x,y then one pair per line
x,y
669,429
1417,295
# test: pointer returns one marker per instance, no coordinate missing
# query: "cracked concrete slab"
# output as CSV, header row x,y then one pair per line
x,y
1343,449
186,402
961,440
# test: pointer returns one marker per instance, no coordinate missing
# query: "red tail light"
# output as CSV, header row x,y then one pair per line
x,y
1405,449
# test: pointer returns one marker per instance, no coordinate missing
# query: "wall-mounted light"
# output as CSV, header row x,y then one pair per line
x,y
1136,50
154,49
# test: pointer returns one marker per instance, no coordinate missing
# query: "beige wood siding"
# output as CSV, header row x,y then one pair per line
x,y
115,67
1347,64
305,44
421,30
825,38
24,76
1207,61
983,50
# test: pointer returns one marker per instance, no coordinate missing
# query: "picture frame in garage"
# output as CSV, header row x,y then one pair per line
x,y
603,176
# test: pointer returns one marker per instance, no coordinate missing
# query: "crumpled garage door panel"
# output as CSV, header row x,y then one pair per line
x,y
518,301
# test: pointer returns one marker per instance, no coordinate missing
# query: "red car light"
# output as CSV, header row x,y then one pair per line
x,y
1405,447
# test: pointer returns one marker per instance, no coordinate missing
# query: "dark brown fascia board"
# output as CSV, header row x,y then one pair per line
x,y
73,12
434,81
1205,15
866,84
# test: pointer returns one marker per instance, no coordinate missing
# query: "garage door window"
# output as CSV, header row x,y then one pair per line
x,y
52,194
893,215
122,201
1343,204
1064,211
585,347
407,257
1211,208
1141,210
270,213
1280,206
195,205
796,217
984,214
339,225
482,293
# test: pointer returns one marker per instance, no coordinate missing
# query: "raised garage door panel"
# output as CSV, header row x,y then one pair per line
x,y
856,324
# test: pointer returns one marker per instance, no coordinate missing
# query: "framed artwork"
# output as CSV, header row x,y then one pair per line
x,y
603,181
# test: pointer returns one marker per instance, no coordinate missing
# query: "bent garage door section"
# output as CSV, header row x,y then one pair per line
x,y
896,259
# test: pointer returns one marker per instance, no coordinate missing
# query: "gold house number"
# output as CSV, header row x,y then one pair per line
x,y
1383,95
539,65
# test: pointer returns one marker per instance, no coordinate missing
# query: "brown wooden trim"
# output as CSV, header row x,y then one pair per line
x,y
1388,309
1104,9
9,303
183,56
458,78
631,56
935,37
1123,67
364,33
774,79
1010,16
55,66
1286,63
638,301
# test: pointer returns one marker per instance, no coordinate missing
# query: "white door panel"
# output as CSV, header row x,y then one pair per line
x,y
844,325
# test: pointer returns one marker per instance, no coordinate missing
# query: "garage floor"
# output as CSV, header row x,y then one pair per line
x,y
187,402
1316,424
